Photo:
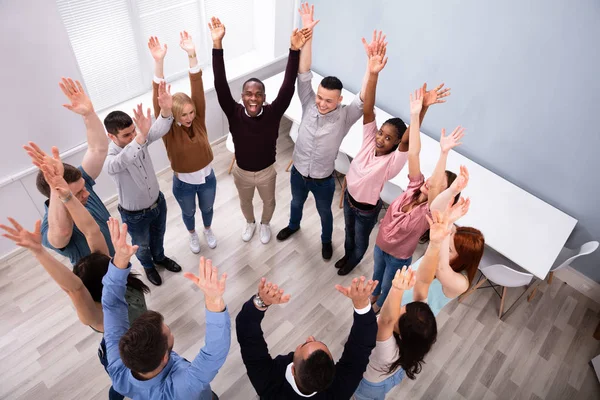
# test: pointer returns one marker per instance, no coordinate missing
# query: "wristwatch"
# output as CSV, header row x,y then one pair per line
x,y
258,302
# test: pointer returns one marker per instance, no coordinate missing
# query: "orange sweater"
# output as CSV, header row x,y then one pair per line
x,y
188,148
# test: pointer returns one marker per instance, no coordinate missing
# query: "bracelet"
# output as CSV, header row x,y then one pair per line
x,y
66,199
192,56
258,302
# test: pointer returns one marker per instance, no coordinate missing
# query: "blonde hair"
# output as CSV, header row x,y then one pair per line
x,y
179,101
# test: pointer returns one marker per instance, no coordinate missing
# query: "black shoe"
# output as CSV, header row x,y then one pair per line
x,y
341,262
153,276
169,265
286,233
346,269
327,251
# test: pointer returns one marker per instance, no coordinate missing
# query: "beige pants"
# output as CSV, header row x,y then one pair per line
x,y
264,181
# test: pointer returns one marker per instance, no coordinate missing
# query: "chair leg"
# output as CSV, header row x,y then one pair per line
x,y
343,191
550,276
502,302
289,165
532,294
470,291
231,165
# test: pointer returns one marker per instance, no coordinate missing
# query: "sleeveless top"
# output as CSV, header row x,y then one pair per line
x,y
136,305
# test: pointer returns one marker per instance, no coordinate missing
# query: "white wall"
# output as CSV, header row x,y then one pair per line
x,y
40,54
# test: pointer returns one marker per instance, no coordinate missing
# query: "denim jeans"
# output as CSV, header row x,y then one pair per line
x,y
359,225
384,270
112,393
147,230
323,191
376,391
186,193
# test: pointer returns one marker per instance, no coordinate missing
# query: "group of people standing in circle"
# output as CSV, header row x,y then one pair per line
x,y
136,348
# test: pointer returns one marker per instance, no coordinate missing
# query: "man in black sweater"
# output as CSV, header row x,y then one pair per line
x,y
254,128
309,371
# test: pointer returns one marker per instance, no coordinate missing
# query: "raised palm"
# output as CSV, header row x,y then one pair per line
x,y
449,142
118,237
39,157
158,52
306,14
217,29
300,37
165,99
22,237
270,293
208,279
405,279
80,102
438,225
416,101
186,42
434,96
143,122
459,210
461,181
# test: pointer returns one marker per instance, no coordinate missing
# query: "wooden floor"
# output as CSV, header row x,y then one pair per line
x,y
541,350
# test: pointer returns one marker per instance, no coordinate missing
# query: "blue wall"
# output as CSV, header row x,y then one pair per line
x,y
525,83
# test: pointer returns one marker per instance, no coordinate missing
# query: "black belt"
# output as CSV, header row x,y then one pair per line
x,y
359,205
308,178
145,210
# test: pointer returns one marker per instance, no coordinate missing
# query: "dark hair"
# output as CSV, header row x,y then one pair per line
x,y
254,80
418,332
92,268
144,345
116,121
400,127
315,374
332,83
450,177
469,243
71,175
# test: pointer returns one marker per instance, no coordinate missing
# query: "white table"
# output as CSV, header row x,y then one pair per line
x,y
516,224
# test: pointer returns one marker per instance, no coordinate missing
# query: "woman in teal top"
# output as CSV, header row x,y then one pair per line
x,y
84,284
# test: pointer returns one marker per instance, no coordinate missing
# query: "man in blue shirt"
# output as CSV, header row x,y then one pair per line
x,y
58,230
141,360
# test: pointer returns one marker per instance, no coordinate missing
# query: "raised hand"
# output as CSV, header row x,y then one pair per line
x,y
165,99
300,37
55,180
118,237
461,181
158,52
416,102
405,279
143,123
80,102
217,29
307,13
359,291
438,225
376,51
186,43
435,96
22,237
449,142
39,157
459,210
270,293
211,285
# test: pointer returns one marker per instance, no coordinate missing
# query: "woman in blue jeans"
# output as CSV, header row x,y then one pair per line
x,y
406,333
84,284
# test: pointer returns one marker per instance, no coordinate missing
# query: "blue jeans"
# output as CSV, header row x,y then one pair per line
x,y
359,225
147,230
186,193
112,393
376,391
384,270
323,191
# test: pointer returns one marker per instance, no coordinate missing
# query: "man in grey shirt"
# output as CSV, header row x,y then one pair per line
x,y
325,123
141,204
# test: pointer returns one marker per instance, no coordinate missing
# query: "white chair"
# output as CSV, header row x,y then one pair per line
x,y
342,166
390,192
230,146
294,137
505,277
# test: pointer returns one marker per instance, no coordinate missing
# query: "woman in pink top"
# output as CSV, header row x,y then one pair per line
x,y
405,220
376,162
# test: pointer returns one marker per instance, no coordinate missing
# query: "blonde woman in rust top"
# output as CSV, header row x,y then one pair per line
x,y
187,144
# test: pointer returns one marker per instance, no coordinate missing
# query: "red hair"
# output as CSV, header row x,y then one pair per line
x,y
469,243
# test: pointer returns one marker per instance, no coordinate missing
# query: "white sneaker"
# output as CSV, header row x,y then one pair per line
x,y
210,238
194,243
265,233
248,231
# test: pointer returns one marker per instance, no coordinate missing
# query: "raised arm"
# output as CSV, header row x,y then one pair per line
x,y
187,44
447,196
97,142
392,307
86,309
218,327
226,100
437,183
414,142
158,54
306,12
362,339
376,61
255,353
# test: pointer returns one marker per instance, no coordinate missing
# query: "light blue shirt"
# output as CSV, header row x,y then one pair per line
x,y
436,299
180,379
